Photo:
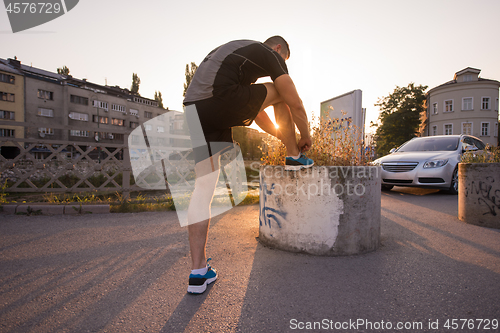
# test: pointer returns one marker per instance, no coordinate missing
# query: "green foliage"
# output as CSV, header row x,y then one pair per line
x,y
30,211
250,146
64,71
159,99
136,81
399,118
3,194
189,75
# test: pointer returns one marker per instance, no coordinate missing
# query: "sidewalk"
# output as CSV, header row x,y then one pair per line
x,y
128,273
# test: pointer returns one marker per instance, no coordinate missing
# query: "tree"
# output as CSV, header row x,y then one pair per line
x,y
64,71
400,117
189,76
135,84
159,99
240,136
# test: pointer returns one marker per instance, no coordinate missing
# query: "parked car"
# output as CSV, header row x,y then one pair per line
x,y
430,161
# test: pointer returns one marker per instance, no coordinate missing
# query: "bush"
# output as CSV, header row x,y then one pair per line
x,y
489,155
334,144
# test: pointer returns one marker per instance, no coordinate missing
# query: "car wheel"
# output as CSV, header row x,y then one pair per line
x,y
387,187
454,182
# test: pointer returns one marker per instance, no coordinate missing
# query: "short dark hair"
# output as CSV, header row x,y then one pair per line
x,y
275,40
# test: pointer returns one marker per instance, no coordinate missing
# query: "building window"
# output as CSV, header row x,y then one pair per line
x,y
448,106
148,127
117,122
496,106
7,132
79,133
7,115
119,136
467,78
79,100
134,112
100,105
45,112
46,131
160,129
7,78
44,94
485,129
467,103
79,116
145,101
467,128
8,97
100,119
485,103
119,108
133,124
435,108
434,130
148,115
448,129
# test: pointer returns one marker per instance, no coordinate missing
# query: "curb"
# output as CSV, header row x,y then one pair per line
x,y
41,209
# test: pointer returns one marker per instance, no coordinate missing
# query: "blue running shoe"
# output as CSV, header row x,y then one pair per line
x,y
198,283
293,164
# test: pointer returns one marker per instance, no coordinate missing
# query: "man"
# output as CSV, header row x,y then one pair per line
x,y
221,95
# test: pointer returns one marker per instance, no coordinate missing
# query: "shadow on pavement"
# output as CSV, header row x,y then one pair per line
x,y
420,274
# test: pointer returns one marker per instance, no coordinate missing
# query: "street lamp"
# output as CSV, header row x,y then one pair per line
x,y
94,97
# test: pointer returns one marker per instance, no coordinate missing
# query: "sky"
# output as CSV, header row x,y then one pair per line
x,y
336,45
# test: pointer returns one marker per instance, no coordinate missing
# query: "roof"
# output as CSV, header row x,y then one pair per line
x,y
468,70
469,82
6,68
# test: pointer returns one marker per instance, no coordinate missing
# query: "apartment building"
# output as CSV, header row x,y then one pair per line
x,y
11,106
66,109
468,104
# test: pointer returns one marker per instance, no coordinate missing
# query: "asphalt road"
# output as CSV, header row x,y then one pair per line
x,y
128,273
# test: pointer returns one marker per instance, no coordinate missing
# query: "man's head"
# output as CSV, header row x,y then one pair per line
x,y
279,44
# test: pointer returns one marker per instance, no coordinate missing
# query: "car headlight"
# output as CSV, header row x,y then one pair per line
x,y
376,162
435,164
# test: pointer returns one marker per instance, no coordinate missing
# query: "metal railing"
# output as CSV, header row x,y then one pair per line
x,y
41,165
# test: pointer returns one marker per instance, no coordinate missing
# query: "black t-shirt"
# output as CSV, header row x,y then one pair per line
x,y
237,62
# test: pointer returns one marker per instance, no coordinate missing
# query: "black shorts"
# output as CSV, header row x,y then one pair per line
x,y
236,105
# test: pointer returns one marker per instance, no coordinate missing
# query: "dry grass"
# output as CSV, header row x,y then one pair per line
x,y
334,144
489,155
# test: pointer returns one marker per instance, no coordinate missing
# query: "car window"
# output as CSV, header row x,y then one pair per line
x,y
467,143
472,144
431,144
479,144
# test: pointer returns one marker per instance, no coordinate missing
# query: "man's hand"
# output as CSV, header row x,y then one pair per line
x,y
304,144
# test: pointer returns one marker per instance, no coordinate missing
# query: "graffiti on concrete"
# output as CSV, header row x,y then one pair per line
x,y
269,214
487,195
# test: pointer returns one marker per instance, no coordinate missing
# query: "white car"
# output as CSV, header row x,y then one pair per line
x,y
430,161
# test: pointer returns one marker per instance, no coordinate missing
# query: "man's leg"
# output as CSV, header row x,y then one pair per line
x,y
207,175
283,117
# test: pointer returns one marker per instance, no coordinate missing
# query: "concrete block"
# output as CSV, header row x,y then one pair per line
x,y
74,209
9,209
479,194
97,209
322,210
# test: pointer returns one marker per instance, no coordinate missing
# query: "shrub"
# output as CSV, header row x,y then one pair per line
x,y
489,155
334,144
